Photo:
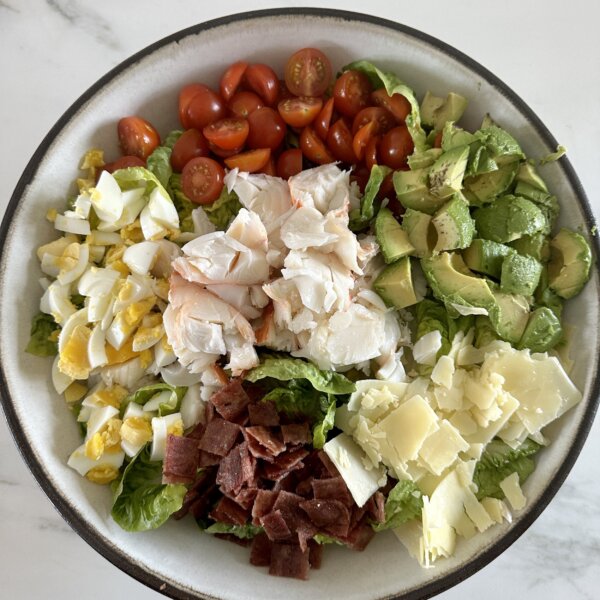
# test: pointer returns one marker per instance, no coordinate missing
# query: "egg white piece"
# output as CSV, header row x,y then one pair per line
x,y
154,403
97,281
60,381
99,417
107,198
192,407
160,427
71,222
82,464
57,302
71,275
78,318
140,258
97,348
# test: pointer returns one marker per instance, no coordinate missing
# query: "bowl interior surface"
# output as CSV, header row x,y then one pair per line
x,y
187,562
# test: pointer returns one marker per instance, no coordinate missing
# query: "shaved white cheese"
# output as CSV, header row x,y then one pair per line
x,y
347,457
440,450
427,347
512,490
443,372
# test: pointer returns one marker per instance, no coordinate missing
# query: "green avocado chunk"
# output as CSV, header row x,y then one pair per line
x,y
392,239
423,160
485,256
395,285
436,111
451,282
483,188
484,331
421,233
527,174
570,263
508,219
543,331
412,190
520,274
536,245
446,174
544,296
454,225
509,316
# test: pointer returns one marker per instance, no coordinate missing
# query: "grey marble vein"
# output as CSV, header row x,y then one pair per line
x,y
88,20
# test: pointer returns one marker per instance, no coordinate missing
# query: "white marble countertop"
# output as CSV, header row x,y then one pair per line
x,y
51,51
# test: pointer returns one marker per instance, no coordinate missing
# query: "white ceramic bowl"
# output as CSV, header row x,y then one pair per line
x,y
176,559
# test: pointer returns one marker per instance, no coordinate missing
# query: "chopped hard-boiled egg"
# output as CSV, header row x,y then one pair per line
x,y
161,428
107,198
140,258
103,470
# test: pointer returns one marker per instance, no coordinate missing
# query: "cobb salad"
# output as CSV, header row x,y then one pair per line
x,y
319,311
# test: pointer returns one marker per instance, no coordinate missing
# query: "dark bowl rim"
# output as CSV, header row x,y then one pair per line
x,y
62,504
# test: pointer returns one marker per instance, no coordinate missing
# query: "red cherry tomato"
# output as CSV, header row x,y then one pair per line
x,y
352,92
250,161
299,112
185,97
361,176
395,147
284,93
323,120
205,108
137,137
362,138
227,133
397,104
243,103
124,163
263,80
371,152
289,163
270,167
202,180
313,147
386,190
383,119
308,72
267,129
190,145
222,153
339,141
231,79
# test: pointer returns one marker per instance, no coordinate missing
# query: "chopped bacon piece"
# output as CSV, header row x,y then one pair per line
x,y
296,433
219,437
231,400
376,507
246,497
288,560
236,469
334,488
181,460
265,499
285,463
268,438
260,551
275,526
359,537
207,459
330,468
315,554
331,515
228,511
263,413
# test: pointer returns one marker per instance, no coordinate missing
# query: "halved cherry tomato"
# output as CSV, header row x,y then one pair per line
x,y
394,204
437,142
339,141
270,167
313,147
395,147
352,92
137,137
204,108
202,180
222,153
267,129
397,104
299,112
190,145
185,97
371,152
250,161
289,163
383,119
232,78
284,93
323,120
263,80
360,175
362,138
123,163
227,133
308,72
243,103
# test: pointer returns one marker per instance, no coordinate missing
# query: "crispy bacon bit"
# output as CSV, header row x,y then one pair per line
x,y
289,561
219,437
181,460
296,433
231,400
263,413
228,511
275,526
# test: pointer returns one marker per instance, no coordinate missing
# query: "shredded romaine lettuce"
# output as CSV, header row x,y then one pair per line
x,y
404,502
43,340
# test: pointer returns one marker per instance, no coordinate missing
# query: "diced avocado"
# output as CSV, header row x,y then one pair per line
x,y
544,296
435,111
536,245
412,190
392,239
421,233
520,274
395,285
570,263
446,174
527,174
508,219
454,225
502,146
509,316
543,331
453,283
484,331
423,160
485,256
488,122
531,193
550,209
483,188
453,137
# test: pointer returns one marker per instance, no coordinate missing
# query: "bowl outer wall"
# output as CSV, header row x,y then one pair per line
x,y
46,435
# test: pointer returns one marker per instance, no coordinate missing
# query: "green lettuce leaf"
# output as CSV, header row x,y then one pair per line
x,y
393,85
361,217
244,532
42,327
223,210
135,177
325,425
140,501
183,205
498,461
172,138
285,369
322,538
560,152
148,392
404,502
299,399
159,162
